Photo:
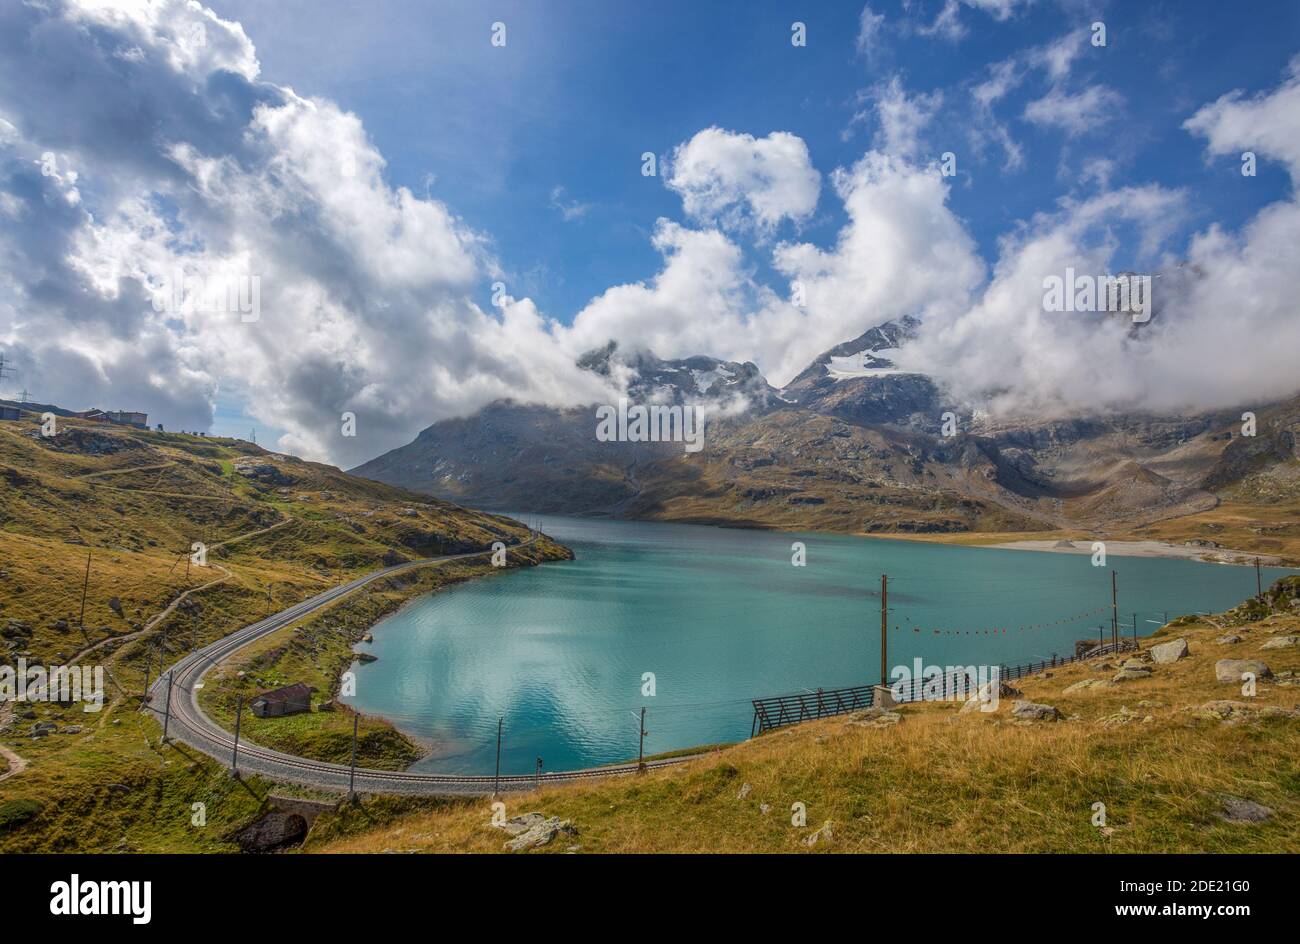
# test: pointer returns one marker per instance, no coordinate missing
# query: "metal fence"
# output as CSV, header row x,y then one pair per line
x,y
780,710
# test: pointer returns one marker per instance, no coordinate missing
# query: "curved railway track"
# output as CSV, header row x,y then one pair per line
x,y
187,722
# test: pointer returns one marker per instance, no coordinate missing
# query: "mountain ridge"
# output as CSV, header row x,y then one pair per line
x,y
851,444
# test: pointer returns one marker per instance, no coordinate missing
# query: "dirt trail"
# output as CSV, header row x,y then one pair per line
x,y
16,764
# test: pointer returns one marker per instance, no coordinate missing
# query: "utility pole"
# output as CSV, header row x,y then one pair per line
x,y
1135,630
640,751
884,629
148,664
167,708
1259,586
85,586
1114,610
539,773
496,780
352,771
239,716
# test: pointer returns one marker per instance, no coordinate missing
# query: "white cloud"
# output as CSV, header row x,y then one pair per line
x,y
947,22
1268,123
1225,331
1057,58
738,181
195,167
570,210
175,156
902,252
1077,113
901,118
870,27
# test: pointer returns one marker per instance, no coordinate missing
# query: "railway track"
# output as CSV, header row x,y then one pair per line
x,y
186,721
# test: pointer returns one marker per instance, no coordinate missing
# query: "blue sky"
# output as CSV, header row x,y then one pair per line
x,y
582,89
375,169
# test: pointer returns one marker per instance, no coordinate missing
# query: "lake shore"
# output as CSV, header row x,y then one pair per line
x,y
1207,555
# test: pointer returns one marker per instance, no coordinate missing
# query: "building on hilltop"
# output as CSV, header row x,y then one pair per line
x,y
121,417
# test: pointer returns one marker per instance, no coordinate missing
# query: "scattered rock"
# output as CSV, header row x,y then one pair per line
x,y
1234,711
875,717
115,604
744,791
765,808
1231,670
1169,651
1123,716
1031,711
1228,640
1281,642
1237,810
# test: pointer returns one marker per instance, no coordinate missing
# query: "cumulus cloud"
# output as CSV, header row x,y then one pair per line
x,y
901,117
157,156
1225,331
741,181
1268,123
901,252
173,164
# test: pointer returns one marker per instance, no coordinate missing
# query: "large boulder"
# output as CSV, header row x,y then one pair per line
x,y
263,471
1031,711
1170,651
1132,671
273,831
534,829
1232,670
1281,642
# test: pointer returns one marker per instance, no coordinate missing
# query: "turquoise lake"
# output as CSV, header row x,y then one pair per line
x,y
721,616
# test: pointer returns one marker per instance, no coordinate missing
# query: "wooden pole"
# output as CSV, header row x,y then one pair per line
x,y
352,771
85,586
1259,586
640,751
884,629
539,773
496,780
167,709
1114,610
239,716
148,664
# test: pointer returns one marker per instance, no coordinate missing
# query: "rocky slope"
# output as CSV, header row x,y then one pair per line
x,y
851,444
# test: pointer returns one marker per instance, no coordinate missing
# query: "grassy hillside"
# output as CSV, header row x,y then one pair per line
x,y
277,529
1162,753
